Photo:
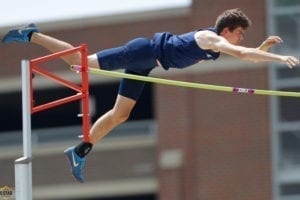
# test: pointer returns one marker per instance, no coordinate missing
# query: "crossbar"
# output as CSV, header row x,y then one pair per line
x,y
190,84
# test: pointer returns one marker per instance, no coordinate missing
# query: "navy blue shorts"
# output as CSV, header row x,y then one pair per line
x,y
136,57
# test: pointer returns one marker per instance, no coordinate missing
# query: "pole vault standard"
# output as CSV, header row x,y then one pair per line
x,y
23,165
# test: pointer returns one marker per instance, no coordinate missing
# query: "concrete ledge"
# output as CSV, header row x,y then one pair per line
x,y
97,189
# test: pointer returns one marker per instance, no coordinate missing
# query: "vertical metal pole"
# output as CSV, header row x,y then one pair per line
x,y
26,109
23,179
23,166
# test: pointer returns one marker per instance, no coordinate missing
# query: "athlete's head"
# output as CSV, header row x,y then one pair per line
x,y
231,24
232,19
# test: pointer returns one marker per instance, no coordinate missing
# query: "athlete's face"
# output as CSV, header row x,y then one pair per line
x,y
235,36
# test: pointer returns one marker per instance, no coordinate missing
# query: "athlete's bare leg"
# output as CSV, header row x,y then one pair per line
x,y
54,45
112,118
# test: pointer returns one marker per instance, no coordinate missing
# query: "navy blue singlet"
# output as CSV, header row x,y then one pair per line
x,y
139,55
180,51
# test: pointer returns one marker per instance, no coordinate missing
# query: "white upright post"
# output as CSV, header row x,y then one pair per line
x,y
23,165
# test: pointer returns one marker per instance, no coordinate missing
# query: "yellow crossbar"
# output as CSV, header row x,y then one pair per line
x,y
192,85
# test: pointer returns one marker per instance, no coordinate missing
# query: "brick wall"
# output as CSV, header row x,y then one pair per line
x,y
224,139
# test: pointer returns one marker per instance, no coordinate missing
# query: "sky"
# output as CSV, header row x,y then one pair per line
x,y
54,10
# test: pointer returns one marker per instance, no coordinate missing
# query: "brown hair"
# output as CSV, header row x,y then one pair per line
x,y
232,19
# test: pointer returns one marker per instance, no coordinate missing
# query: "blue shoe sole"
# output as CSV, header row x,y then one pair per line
x,y
68,153
21,34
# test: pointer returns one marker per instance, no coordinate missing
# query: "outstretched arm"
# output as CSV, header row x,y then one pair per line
x,y
210,40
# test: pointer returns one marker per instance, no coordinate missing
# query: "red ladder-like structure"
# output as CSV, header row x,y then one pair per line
x,y
82,91
23,165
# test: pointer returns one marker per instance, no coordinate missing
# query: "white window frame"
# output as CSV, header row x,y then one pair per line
x,y
279,178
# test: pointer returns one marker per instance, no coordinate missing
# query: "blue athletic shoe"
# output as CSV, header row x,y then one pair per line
x,y
21,34
76,162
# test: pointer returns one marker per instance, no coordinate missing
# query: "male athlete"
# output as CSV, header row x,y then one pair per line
x,y
139,56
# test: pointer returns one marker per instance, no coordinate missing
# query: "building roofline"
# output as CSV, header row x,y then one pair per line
x,y
108,19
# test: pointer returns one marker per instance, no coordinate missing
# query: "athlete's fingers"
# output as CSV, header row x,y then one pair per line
x,y
292,61
277,39
274,40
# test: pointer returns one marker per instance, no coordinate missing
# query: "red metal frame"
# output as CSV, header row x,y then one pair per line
x,y
83,90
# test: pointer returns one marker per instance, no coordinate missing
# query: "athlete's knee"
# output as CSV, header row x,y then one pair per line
x,y
122,109
74,59
120,116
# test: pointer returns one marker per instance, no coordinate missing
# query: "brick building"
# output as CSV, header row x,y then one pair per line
x,y
179,144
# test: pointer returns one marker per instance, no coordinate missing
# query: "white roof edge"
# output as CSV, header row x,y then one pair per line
x,y
108,19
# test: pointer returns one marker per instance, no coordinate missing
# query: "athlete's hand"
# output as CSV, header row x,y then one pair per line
x,y
291,61
269,42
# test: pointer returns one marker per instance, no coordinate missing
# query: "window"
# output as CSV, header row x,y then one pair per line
x,y
62,122
286,2
284,20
